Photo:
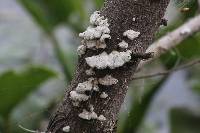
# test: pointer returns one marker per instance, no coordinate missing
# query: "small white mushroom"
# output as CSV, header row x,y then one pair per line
x,y
78,97
81,50
95,35
85,86
113,60
108,80
134,19
123,44
102,118
94,17
131,34
103,95
66,129
88,115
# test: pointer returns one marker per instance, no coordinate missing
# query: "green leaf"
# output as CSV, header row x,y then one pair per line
x,y
183,121
14,87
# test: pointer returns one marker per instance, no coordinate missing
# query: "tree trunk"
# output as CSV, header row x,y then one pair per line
x,y
148,16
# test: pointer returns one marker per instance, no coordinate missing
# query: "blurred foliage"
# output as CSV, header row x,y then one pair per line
x,y
192,6
50,13
14,87
184,121
139,109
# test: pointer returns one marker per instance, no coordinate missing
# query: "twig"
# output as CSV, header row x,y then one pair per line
x,y
190,64
28,130
172,39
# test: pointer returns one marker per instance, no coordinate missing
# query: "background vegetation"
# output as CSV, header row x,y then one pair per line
x,y
32,84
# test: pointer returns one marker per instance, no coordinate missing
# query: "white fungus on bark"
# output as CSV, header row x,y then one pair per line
x,y
88,115
78,97
96,34
108,80
113,60
85,86
96,19
81,50
102,118
103,95
131,34
123,44
66,129
91,115
134,19
98,29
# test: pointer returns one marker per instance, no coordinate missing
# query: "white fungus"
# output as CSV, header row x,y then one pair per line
x,y
81,50
102,118
78,97
95,35
96,19
131,34
88,115
66,129
123,44
113,60
90,72
94,32
108,80
99,28
103,95
134,19
85,86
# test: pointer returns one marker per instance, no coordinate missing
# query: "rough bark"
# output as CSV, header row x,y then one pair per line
x,y
120,14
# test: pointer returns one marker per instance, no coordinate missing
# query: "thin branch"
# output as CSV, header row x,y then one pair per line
x,y
172,39
190,64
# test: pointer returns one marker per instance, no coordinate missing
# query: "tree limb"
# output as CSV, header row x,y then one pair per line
x,y
172,39
190,64
147,16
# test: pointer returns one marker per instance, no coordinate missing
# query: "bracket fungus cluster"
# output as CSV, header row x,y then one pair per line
x,y
94,38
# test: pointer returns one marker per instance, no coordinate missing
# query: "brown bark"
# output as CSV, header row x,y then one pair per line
x,y
120,13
